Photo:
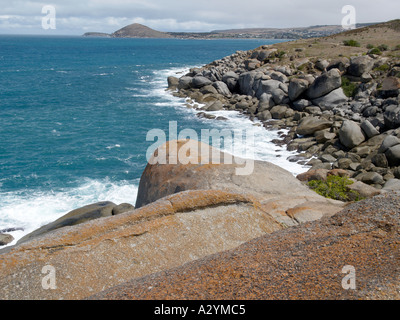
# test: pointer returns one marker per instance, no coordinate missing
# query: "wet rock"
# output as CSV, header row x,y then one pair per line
x,y
75,217
6,239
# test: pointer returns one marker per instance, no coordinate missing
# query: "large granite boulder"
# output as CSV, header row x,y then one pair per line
x,y
296,88
360,65
217,171
324,84
223,207
200,81
392,116
351,134
331,100
231,79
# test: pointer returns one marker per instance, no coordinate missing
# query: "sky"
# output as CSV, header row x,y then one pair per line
x,y
75,17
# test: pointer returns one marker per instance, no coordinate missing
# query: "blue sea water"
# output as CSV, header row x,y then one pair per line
x,y
75,112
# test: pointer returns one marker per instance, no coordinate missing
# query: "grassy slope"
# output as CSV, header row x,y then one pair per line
x,y
332,46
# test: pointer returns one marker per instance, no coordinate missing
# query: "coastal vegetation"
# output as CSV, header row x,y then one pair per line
x,y
335,187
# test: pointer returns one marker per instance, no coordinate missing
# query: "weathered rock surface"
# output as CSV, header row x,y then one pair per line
x,y
309,125
309,262
360,65
5,239
266,181
324,84
350,134
219,211
296,88
331,100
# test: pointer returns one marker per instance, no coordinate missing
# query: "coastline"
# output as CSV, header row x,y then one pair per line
x,y
189,216
307,94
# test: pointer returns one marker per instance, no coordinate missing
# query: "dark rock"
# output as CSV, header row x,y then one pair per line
x,y
390,87
380,160
342,64
6,239
393,155
296,88
185,82
278,112
360,65
122,208
216,106
309,125
372,178
200,81
11,230
331,100
324,84
300,105
323,136
392,116
231,80
222,88
388,142
75,217
173,82
369,130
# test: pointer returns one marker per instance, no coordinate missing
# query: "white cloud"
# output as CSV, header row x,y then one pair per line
x,y
78,16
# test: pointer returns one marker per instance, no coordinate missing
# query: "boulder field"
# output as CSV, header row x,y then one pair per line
x,y
337,108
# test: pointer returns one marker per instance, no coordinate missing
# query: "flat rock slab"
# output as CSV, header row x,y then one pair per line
x,y
102,253
309,262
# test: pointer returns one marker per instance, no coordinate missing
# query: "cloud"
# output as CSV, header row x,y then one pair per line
x,y
78,16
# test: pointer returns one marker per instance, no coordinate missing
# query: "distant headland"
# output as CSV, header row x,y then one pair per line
x,y
137,30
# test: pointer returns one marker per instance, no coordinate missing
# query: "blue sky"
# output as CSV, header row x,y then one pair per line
x,y
78,16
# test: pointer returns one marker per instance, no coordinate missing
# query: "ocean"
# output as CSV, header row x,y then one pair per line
x,y
75,112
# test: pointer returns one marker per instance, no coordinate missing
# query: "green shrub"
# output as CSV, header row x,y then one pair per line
x,y
383,68
280,54
396,47
335,188
370,46
375,51
349,88
351,43
383,47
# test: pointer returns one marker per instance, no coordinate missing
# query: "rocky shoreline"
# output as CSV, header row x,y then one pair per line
x,y
340,113
200,231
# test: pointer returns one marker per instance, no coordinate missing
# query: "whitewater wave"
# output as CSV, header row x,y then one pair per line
x,y
30,210
262,149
